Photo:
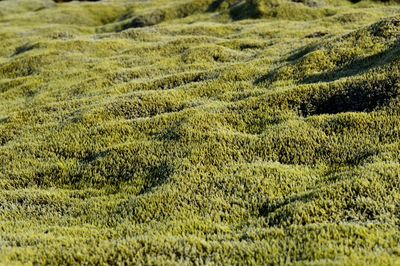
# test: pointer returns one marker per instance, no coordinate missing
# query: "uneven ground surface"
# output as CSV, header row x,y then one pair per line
x,y
199,131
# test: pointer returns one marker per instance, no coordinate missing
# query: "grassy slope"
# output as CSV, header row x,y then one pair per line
x,y
199,132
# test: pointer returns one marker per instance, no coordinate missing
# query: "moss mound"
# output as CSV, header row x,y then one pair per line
x,y
360,51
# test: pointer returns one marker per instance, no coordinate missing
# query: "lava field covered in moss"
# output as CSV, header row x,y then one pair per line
x,y
219,132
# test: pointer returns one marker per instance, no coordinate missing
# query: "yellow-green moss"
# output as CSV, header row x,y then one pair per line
x,y
199,132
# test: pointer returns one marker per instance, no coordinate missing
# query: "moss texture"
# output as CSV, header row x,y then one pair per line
x,y
199,132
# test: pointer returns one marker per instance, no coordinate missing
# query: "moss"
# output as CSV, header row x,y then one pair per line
x,y
350,54
199,132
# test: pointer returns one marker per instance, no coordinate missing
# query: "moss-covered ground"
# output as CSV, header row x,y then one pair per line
x,y
200,132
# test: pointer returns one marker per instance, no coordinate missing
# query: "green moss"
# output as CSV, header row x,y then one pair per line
x,y
199,132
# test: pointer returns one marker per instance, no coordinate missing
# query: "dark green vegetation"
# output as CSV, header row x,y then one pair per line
x,y
200,131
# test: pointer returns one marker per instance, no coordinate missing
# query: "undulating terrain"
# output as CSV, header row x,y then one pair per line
x,y
200,132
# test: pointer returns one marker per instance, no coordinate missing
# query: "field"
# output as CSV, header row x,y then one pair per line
x,y
159,132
